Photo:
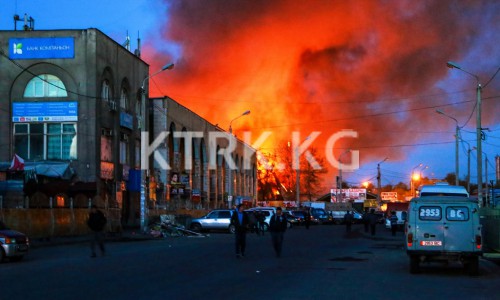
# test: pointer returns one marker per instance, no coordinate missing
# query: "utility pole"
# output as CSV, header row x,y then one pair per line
x,y
379,181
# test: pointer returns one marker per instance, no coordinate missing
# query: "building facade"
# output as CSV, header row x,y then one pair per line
x,y
71,109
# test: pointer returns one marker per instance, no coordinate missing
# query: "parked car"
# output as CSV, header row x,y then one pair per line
x,y
338,216
13,244
320,215
402,215
218,219
267,212
291,219
301,216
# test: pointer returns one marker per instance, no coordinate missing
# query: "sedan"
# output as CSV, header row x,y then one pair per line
x,y
13,244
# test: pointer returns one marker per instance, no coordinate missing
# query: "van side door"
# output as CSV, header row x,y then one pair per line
x,y
458,228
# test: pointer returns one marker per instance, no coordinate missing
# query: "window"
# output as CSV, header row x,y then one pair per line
x,y
124,149
124,100
430,213
105,93
138,113
224,214
45,85
457,213
45,141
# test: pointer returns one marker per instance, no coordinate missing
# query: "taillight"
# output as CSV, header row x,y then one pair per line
x,y
409,239
478,242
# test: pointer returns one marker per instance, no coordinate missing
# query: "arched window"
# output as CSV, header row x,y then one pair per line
x,y
45,85
124,100
105,92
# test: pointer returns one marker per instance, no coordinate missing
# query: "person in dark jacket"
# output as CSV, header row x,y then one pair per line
x,y
240,221
96,222
277,227
373,219
394,222
366,220
307,218
348,218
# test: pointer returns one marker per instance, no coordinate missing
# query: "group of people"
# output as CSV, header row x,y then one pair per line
x,y
370,220
257,222
241,222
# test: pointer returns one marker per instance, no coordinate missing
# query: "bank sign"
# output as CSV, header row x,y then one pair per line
x,y
44,112
41,48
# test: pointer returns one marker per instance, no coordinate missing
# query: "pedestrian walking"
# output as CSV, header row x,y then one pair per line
x,y
240,221
277,227
96,222
348,218
307,218
261,218
373,219
394,222
366,220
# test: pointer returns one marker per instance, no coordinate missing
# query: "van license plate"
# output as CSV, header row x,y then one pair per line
x,y
431,243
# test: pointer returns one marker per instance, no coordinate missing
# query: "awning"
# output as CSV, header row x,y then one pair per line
x,y
61,170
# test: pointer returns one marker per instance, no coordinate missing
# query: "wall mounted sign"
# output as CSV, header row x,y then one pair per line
x,y
44,111
42,48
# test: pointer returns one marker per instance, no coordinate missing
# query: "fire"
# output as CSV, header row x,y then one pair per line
x,y
317,66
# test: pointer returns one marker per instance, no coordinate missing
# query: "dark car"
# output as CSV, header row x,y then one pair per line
x,y
13,244
291,219
301,216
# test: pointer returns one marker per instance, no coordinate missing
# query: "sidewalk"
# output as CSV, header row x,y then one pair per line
x,y
129,235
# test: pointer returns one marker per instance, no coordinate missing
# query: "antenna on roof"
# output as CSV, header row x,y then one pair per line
x,y
137,51
27,21
126,44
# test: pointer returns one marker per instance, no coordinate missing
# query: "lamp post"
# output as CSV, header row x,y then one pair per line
x,y
144,159
478,132
230,123
457,136
379,185
412,179
230,174
339,185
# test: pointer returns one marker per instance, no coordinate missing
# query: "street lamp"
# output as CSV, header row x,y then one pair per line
x,y
478,132
379,187
230,123
230,174
412,179
144,159
339,184
457,135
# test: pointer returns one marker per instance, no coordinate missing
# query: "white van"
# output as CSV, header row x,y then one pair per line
x,y
441,189
443,228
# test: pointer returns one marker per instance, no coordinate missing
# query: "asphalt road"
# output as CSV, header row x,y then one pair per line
x,y
321,263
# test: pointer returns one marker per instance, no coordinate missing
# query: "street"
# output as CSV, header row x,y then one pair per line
x,y
322,262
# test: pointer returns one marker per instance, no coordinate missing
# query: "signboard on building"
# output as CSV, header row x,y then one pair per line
x,y
389,196
344,195
44,111
126,120
41,48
